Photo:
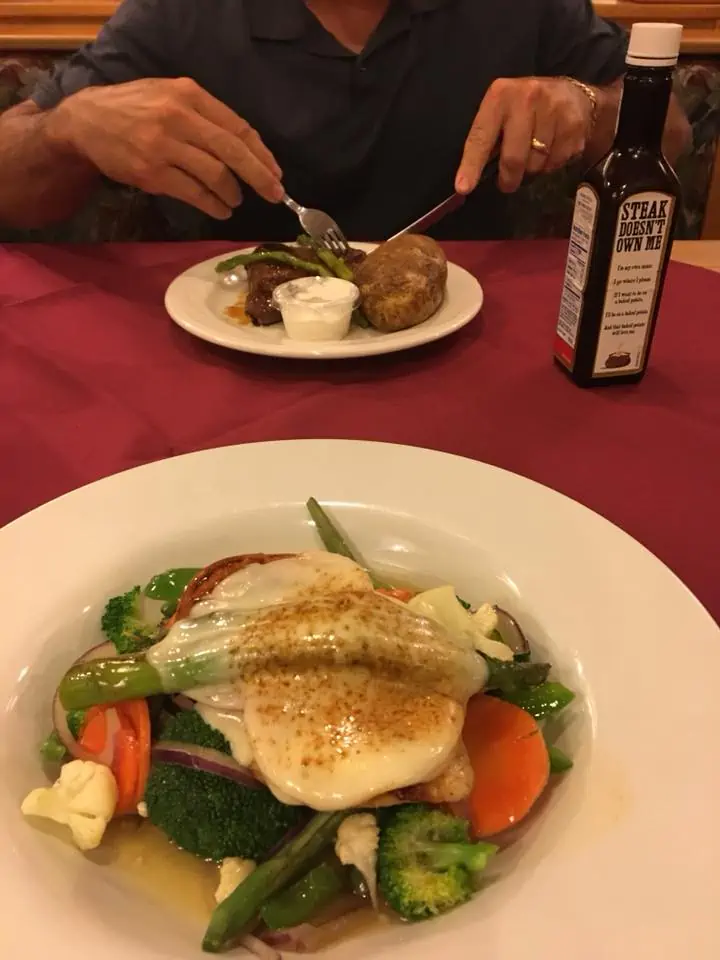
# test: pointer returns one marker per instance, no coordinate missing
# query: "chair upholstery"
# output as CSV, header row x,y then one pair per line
x,y
542,208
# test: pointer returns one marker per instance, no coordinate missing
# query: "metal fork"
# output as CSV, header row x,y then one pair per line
x,y
320,227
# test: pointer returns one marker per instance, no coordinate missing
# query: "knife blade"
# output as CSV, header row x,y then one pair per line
x,y
453,202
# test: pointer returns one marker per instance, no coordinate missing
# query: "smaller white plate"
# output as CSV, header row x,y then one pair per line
x,y
196,301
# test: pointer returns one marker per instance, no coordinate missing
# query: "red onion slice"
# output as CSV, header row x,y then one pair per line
x,y
100,652
182,702
310,937
206,760
259,949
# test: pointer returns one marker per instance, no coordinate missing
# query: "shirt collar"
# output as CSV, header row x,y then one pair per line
x,y
288,19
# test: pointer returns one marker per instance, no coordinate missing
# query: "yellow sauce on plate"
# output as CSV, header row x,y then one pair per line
x,y
157,869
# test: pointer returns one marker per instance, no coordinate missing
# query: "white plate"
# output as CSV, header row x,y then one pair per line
x,y
622,865
196,301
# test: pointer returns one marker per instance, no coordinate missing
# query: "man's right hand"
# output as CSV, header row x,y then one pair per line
x,y
168,137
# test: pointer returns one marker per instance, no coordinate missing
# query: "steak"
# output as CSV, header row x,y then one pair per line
x,y
264,277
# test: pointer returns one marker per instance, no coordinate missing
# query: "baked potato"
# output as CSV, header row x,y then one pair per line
x,y
402,283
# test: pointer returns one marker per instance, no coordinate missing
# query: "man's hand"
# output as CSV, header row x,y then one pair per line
x,y
552,111
167,137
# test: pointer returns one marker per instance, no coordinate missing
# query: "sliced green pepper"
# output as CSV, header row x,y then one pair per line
x,y
170,586
544,700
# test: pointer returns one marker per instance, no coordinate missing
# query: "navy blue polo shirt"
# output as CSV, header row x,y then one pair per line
x,y
375,139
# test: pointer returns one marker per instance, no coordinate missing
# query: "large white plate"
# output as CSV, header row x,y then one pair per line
x,y
622,865
196,301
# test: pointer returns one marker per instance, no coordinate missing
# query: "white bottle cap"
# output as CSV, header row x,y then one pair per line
x,y
654,44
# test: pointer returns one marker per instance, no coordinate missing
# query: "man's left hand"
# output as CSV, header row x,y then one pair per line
x,y
551,113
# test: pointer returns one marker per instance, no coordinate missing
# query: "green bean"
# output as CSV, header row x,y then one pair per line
x,y
239,913
305,898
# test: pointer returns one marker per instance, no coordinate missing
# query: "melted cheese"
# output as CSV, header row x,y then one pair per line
x,y
333,739
232,727
311,574
335,694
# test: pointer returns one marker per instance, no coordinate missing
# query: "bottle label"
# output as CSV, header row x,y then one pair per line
x,y
642,235
582,237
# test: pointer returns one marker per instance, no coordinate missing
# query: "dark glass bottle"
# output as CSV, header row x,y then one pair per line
x,y
625,214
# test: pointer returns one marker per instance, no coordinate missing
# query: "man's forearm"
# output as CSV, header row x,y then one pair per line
x,y
676,139
41,180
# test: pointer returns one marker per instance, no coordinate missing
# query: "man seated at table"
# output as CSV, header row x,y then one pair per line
x,y
370,109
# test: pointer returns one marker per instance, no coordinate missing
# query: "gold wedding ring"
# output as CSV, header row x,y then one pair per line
x,y
540,146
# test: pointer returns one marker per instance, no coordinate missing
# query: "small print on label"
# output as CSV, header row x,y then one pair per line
x,y
582,236
641,238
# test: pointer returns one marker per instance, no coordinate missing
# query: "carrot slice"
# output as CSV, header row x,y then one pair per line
x,y
125,767
129,758
138,714
510,762
94,730
404,596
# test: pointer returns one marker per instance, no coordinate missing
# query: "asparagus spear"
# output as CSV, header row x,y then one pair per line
x,y
334,542
391,638
340,268
239,913
336,265
114,679
272,256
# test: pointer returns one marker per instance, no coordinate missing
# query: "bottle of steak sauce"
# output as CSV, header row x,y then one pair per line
x,y
621,238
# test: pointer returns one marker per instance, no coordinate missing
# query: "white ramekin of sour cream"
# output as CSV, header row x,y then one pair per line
x,y
316,308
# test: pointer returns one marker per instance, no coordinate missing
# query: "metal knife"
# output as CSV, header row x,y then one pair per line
x,y
437,213
452,203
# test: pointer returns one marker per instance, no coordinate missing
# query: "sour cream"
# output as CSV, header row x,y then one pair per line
x,y
316,308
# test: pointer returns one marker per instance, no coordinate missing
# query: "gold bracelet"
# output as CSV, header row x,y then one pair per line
x,y
590,93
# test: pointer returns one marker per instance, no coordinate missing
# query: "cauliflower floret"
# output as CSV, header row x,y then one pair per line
x,y
356,845
485,623
485,619
142,809
233,870
83,798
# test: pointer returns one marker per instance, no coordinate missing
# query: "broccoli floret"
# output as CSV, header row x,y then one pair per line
x,y
426,862
208,815
75,721
125,625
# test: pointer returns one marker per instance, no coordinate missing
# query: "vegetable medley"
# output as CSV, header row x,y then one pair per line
x,y
329,739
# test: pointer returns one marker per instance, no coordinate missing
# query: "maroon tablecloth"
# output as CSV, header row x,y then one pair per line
x,y
95,378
